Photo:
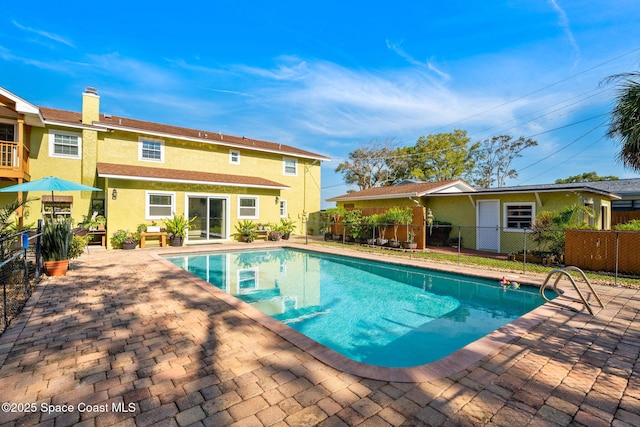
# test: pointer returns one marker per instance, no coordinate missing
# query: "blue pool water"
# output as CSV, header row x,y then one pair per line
x,y
372,312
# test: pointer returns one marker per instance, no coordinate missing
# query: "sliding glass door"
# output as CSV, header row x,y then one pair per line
x,y
211,218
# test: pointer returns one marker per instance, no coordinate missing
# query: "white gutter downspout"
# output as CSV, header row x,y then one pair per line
x,y
473,203
538,199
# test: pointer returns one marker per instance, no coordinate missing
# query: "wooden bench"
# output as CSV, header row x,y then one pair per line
x,y
102,234
161,235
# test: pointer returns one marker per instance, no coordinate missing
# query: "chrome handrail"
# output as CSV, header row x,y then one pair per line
x,y
561,272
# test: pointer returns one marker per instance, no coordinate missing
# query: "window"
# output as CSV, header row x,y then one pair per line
x,y
7,132
247,280
8,152
234,157
625,205
283,208
160,205
247,207
65,144
151,150
290,167
518,215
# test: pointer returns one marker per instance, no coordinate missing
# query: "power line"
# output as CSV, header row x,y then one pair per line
x,y
563,148
541,89
555,166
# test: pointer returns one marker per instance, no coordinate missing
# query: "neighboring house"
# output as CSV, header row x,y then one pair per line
x,y
488,217
150,171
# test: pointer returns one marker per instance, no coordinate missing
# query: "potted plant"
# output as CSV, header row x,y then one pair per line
x,y
368,227
379,221
397,216
352,222
123,239
177,228
410,243
93,223
56,243
334,215
287,226
246,230
275,234
153,228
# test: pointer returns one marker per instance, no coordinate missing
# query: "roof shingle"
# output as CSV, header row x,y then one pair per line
x,y
164,174
123,123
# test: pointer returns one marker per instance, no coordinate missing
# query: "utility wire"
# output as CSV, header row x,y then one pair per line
x,y
541,89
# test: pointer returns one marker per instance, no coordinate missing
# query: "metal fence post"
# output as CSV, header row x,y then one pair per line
x,y
459,242
25,246
524,250
4,302
615,280
38,248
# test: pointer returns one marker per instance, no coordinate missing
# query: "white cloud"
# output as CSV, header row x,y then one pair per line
x,y
47,35
336,101
566,27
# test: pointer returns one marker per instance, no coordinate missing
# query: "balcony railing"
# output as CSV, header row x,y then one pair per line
x,y
9,157
14,163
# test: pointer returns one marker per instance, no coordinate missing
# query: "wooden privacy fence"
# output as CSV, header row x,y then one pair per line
x,y
417,226
603,250
622,217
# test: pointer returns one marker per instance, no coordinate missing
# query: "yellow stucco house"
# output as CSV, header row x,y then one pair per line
x,y
151,171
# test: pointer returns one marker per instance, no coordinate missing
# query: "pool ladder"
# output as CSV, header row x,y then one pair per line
x,y
563,272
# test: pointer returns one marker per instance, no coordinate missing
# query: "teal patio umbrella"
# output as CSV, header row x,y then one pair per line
x,y
49,183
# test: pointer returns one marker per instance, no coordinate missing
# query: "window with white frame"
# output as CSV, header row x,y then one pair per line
x,y
290,167
150,150
160,205
65,144
518,216
283,208
234,157
247,207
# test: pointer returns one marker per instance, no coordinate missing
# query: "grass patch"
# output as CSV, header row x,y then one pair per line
x,y
488,263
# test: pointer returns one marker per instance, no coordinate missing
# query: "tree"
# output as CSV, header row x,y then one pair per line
x,y
436,157
586,177
495,157
625,118
367,165
549,227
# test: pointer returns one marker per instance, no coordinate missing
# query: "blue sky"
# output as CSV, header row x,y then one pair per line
x,y
333,75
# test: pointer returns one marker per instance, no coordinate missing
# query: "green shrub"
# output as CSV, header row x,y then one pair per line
x,y
78,243
633,225
56,239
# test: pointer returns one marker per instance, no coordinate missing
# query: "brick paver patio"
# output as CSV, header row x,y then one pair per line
x,y
126,341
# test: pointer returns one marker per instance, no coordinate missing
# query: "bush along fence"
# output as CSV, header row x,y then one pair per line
x,y
611,251
20,269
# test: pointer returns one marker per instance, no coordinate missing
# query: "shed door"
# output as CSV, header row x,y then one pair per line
x,y
488,230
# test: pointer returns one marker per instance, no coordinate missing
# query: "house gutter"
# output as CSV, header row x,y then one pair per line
x,y
373,197
191,181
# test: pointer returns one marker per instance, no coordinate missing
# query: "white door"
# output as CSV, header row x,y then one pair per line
x,y
488,230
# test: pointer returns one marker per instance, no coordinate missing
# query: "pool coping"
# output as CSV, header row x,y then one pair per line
x,y
455,362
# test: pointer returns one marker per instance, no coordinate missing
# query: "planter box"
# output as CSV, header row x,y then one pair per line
x,y
153,229
410,245
534,259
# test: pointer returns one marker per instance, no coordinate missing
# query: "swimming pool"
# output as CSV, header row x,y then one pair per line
x,y
371,312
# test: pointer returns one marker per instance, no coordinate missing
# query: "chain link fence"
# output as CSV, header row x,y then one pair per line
x,y
611,252
20,269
